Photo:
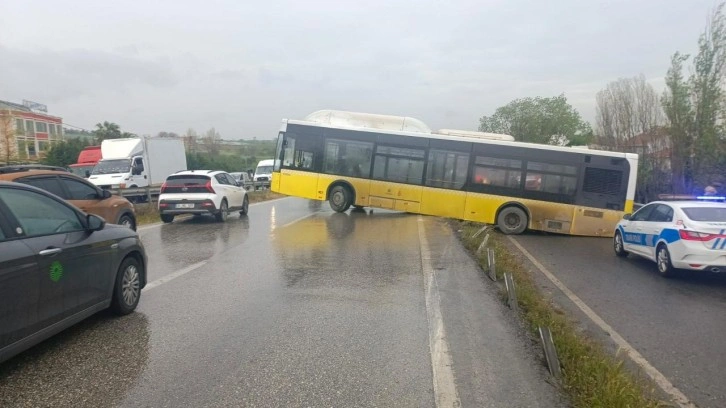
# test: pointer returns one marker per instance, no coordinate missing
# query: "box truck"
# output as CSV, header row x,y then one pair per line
x,y
138,162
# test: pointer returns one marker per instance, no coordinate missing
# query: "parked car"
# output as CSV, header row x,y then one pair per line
x,y
688,235
59,265
244,178
202,192
76,190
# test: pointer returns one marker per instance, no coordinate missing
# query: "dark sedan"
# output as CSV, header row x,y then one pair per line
x,y
59,265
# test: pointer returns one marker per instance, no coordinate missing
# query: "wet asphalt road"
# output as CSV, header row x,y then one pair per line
x,y
291,306
678,325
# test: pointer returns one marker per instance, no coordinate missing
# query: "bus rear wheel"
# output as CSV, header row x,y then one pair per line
x,y
512,220
339,198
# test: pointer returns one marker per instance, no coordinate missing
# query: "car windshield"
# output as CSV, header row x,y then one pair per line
x,y
112,166
264,170
712,214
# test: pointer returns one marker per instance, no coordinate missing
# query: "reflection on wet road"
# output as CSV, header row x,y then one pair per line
x,y
293,305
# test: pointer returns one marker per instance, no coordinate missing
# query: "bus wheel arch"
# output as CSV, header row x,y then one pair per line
x,y
512,218
340,195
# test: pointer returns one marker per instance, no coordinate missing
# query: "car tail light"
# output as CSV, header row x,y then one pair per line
x,y
163,187
163,204
209,188
695,236
207,204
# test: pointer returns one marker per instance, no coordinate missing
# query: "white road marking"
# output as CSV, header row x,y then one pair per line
x,y
445,393
299,219
172,276
660,379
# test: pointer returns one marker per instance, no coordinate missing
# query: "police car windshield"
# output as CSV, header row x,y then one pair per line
x,y
713,214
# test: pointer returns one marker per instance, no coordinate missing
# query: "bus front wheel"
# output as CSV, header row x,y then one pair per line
x,y
512,220
339,199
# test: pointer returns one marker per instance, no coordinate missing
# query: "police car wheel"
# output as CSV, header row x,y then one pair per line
x,y
618,245
663,258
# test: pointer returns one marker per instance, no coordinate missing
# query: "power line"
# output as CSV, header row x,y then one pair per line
x,y
77,127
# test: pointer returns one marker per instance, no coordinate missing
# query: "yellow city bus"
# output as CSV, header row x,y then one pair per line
x,y
398,163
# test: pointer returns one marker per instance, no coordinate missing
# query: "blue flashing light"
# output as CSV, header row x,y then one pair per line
x,y
711,198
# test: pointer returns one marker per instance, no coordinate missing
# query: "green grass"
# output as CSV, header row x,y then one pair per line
x,y
148,213
591,377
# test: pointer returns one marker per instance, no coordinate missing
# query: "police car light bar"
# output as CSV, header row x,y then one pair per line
x,y
686,197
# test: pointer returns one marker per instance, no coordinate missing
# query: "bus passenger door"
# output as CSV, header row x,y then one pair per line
x,y
397,174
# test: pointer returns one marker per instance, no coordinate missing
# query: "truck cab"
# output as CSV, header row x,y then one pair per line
x,y
87,160
263,173
120,173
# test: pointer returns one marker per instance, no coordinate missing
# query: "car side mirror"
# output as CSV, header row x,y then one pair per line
x,y
94,222
627,216
88,174
106,194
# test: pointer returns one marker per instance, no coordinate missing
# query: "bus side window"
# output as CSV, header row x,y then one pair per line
x,y
303,159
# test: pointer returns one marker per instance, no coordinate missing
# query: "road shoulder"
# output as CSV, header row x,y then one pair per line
x,y
496,362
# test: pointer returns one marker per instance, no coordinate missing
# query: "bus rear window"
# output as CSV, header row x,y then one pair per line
x,y
602,181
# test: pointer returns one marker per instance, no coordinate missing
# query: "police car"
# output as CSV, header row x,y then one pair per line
x,y
676,235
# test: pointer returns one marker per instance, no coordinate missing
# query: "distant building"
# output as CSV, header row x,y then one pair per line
x,y
25,133
654,145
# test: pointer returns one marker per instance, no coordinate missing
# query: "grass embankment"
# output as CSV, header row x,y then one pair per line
x,y
591,377
148,213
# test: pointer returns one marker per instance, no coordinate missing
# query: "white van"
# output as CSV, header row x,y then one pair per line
x,y
263,173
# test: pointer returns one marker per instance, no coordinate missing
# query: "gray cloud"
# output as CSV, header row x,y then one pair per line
x,y
243,66
55,76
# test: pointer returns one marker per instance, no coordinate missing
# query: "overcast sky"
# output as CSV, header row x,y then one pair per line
x,y
242,66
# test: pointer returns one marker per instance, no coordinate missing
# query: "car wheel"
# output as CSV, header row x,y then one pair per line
x,y
618,245
167,218
663,259
221,215
245,206
339,199
127,221
127,290
512,220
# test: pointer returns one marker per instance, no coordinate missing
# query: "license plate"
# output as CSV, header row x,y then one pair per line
x,y
185,206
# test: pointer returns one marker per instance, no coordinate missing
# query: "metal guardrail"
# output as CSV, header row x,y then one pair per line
x,y
154,191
